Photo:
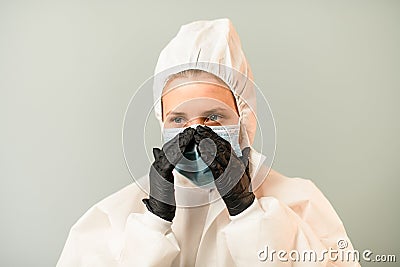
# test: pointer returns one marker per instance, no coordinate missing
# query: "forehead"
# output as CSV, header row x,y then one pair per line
x,y
192,75
197,93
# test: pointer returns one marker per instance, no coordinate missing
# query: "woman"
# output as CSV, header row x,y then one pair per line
x,y
211,202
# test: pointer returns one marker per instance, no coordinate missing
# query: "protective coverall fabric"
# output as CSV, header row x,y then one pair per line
x,y
288,214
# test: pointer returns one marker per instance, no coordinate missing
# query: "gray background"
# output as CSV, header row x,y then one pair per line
x,y
330,71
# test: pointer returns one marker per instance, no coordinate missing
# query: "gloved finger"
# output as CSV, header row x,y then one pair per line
x,y
180,141
224,151
245,155
216,161
185,137
210,151
207,150
174,148
161,185
203,132
161,199
156,153
161,163
223,147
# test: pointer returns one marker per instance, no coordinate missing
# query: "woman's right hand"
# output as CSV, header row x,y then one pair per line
x,y
161,199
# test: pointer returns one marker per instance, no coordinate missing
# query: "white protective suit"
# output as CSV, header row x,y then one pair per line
x,y
288,213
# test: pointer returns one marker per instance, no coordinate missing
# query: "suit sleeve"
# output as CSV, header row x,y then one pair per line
x,y
149,241
145,240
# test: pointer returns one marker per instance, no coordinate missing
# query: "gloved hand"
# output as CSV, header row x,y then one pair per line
x,y
161,200
231,173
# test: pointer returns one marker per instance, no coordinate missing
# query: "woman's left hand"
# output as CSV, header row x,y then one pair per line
x,y
231,173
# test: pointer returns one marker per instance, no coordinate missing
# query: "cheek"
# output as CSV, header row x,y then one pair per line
x,y
233,120
214,123
167,124
230,120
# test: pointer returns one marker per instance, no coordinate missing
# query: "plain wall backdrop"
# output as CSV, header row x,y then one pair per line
x,y
329,69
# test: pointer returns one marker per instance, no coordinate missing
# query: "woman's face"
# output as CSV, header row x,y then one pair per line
x,y
203,103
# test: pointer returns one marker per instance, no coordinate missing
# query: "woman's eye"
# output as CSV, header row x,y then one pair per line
x,y
213,117
178,120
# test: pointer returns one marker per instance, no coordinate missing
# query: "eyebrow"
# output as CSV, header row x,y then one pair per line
x,y
210,111
175,113
215,110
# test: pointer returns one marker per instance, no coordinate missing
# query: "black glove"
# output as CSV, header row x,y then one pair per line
x,y
231,173
161,199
